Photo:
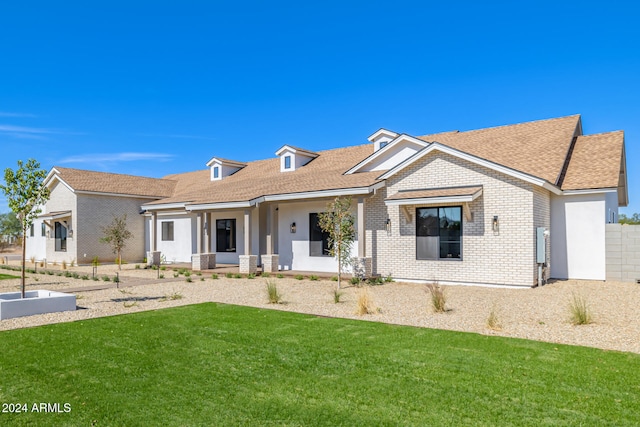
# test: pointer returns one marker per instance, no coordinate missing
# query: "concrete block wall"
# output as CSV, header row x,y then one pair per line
x,y
504,257
622,252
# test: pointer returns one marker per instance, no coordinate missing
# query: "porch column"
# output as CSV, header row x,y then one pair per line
x,y
207,232
199,233
362,265
270,261
153,256
248,262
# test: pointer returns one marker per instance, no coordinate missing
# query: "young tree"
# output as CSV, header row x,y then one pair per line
x,y
339,222
116,234
25,195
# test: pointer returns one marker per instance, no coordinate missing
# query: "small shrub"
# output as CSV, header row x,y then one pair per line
x,y
33,260
375,281
228,275
106,278
272,293
355,281
116,279
172,297
334,278
130,304
313,278
42,272
75,275
58,274
336,296
199,273
160,276
176,274
202,279
365,304
50,273
72,263
41,264
189,280
64,265
388,279
187,273
214,276
437,296
279,275
96,278
580,312
94,261
237,276
266,274
84,277
492,321
137,267
67,274
251,276
299,277
162,267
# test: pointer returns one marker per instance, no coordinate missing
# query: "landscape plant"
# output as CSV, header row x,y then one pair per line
x,y
364,303
116,235
339,222
579,309
273,295
25,196
437,297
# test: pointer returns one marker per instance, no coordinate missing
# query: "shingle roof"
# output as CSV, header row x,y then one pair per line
x,y
595,162
537,148
103,182
263,178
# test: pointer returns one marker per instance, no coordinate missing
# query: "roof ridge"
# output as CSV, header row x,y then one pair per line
x,y
603,133
504,126
58,168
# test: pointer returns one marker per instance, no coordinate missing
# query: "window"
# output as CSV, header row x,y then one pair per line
x,y
439,233
287,162
384,144
318,239
31,231
225,235
167,230
216,172
61,237
43,229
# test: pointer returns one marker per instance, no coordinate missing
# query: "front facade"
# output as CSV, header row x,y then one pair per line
x,y
510,205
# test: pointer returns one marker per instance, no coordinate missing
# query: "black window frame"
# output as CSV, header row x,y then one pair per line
x,y
226,235
316,234
60,234
436,229
32,231
43,230
166,231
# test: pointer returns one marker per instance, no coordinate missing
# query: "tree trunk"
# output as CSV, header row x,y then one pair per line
x,y
24,252
339,270
119,261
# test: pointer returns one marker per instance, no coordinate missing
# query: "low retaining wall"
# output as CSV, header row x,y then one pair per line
x,y
35,302
623,252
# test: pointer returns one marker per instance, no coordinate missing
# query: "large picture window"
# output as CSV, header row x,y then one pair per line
x,y
225,235
439,233
167,230
318,239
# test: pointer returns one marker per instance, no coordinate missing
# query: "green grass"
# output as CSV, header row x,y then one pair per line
x,y
8,276
214,364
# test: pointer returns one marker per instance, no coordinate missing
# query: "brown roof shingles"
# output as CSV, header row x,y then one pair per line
x,y
537,148
263,178
113,183
595,162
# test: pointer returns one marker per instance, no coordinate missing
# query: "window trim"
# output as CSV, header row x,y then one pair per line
x,y
287,162
60,239
438,213
166,235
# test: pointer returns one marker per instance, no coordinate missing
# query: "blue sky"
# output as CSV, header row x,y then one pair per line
x,y
154,88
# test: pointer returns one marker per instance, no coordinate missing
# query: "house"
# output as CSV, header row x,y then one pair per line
x,y
507,205
81,203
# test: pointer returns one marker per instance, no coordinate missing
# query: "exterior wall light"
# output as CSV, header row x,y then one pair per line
x,y
494,224
293,227
70,233
388,225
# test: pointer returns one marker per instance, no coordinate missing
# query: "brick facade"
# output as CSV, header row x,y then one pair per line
x,y
504,257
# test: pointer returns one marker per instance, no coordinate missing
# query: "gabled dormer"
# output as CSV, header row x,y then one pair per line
x,y
292,158
221,168
381,138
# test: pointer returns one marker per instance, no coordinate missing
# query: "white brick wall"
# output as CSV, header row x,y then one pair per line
x,y
505,257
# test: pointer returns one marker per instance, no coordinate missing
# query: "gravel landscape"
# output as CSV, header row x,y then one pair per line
x,y
532,313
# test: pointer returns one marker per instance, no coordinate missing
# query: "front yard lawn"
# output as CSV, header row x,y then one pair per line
x,y
215,364
8,276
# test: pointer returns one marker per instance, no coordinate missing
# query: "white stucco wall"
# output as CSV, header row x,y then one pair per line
x,y
578,236
293,248
183,244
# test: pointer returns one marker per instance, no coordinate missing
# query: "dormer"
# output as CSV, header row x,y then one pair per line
x,y
381,138
292,158
221,168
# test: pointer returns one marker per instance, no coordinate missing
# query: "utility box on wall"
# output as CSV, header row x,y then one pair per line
x,y
541,246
